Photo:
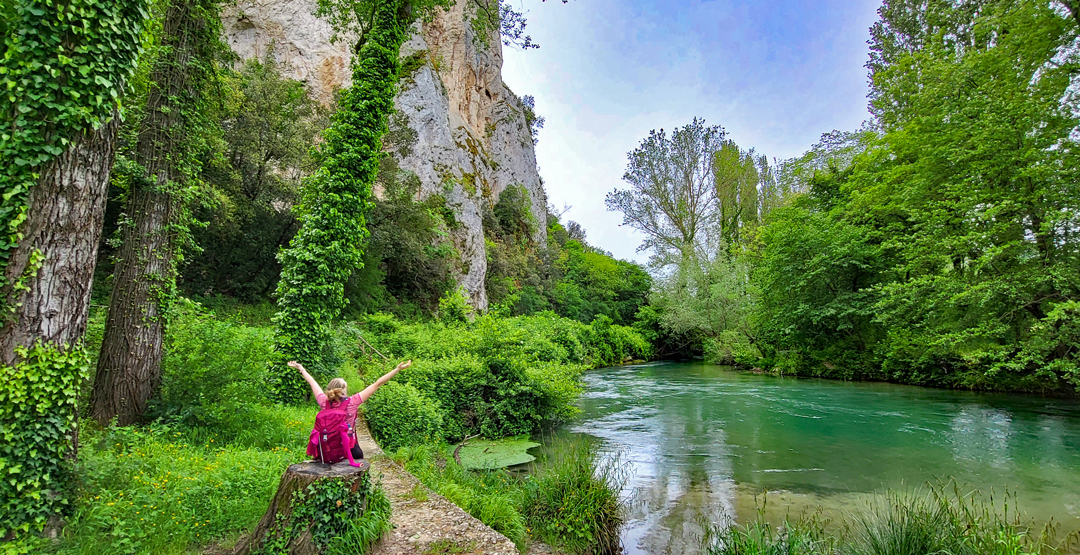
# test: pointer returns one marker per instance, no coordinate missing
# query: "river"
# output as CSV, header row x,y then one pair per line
x,y
705,443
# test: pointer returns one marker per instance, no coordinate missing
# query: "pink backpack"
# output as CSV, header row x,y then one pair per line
x,y
330,442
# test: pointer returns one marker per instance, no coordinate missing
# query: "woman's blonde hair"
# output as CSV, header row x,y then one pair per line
x,y
336,390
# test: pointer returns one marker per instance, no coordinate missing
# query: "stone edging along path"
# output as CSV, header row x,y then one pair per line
x,y
427,527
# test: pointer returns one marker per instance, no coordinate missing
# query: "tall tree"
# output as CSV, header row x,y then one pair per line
x,y
671,184
982,129
65,64
335,200
741,179
158,203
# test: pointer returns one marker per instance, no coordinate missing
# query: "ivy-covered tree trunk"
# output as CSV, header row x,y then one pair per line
x,y
336,199
144,279
41,345
64,66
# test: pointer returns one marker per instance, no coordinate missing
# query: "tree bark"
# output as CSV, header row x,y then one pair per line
x,y
296,479
144,277
66,212
129,366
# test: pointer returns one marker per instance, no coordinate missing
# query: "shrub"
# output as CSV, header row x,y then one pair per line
x,y
456,383
731,347
455,308
609,344
501,376
575,502
214,370
400,415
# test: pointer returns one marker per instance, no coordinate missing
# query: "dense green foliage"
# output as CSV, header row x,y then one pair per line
x,y
200,387
38,401
493,376
268,125
946,253
408,257
941,520
403,416
567,276
570,502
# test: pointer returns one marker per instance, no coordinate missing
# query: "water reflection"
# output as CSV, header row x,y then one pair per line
x,y
705,444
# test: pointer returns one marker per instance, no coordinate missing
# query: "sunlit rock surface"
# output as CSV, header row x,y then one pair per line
x,y
472,138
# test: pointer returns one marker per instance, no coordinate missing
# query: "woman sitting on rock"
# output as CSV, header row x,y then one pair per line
x,y
334,436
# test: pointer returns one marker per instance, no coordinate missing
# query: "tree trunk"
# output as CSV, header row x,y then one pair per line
x,y
144,278
296,479
129,366
65,215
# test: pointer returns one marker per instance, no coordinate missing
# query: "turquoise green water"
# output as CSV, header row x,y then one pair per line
x,y
704,443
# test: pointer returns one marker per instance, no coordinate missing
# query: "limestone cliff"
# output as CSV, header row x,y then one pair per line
x,y
472,137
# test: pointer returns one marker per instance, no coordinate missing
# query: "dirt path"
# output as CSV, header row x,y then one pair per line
x,y
431,526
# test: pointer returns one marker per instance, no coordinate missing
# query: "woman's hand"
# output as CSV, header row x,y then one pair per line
x,y
371,389
315,389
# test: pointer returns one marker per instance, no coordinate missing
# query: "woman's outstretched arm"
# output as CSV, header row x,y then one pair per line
x,y
315,389
371,389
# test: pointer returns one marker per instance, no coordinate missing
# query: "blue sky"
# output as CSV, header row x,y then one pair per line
x,y
776,74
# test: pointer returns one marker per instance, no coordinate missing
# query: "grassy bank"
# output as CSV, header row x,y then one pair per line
x,y
166,488
941,519
201,472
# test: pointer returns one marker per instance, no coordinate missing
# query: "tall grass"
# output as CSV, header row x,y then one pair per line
x,y
939,519
362,533
574,503
164,489
806,537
